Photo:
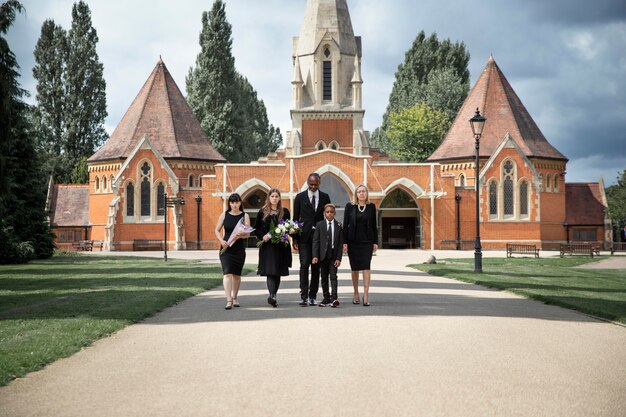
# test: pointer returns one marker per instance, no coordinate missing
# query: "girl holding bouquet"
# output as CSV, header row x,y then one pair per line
x,y
232,257
275,249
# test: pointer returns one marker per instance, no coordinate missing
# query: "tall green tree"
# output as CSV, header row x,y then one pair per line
x,y
224,102
85,103
24,233
616,199
415,132
433,72
49,113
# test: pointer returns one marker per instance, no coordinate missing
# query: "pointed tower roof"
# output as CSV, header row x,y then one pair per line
x,y
161,112
495,98
322,17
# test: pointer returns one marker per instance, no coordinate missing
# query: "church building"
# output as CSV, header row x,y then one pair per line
x,y
159,149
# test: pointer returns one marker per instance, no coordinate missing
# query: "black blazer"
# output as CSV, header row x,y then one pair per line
x,y
320,240
349,223
304,212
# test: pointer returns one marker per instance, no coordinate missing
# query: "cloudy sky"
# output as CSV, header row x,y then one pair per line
x,y
566,59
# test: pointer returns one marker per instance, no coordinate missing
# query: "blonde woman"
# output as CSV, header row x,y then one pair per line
x,y
274,258
360,237
234,257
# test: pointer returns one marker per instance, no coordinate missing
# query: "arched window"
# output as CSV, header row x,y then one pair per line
x,y
508,197
334,145
493,199
104,184
398,198
191,181
200,181
327,74
160,199
97,184
337,192
130,199
145,189
462,180
320,145
523,199
111,182
556,183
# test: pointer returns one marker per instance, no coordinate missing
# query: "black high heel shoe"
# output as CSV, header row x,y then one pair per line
x,y
365,304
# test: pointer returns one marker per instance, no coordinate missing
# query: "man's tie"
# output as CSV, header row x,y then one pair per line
x,y
313,201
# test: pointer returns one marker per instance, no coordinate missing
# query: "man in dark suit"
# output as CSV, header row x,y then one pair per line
x,y
308,209
327,251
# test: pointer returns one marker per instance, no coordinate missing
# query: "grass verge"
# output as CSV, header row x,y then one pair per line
x,y
51,309
600,292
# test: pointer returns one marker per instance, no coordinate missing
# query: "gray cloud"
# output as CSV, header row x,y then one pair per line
x,y
565,59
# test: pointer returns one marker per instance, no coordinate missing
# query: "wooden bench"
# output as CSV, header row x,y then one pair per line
x,y
83,245
147,245
578,249
522,249
618,247
97,244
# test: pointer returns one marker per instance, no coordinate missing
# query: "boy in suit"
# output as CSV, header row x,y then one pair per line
x,y
308,209
327,251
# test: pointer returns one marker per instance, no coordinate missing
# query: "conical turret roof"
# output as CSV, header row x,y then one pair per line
x,y
161,112
495,98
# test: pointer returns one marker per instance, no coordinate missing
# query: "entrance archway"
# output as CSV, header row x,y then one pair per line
x,y
253,201
339,196
400,221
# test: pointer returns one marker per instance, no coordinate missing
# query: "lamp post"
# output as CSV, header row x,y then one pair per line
x,y
169,202
478,123
457,198
198,201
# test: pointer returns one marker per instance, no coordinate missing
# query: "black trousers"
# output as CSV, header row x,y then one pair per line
x,y
329,270
273,283
305,251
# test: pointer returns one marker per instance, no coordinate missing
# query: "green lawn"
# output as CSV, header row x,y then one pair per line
x,y
51,309
600,292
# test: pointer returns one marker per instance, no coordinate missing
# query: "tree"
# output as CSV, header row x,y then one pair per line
x,y
434,73
616,199
224,102
24,233
85,101
49,114
414,133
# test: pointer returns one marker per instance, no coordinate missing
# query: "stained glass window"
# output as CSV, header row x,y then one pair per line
x,y
145,197
508,197
160,199
523,199
493,198
130,199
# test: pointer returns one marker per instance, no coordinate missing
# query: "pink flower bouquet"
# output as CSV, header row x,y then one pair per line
x,y
240,228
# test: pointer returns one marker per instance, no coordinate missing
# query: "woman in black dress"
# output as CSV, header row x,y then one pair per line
x,y
235,256
361,237
274,258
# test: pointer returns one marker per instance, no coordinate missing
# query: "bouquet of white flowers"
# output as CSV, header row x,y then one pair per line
x,y
280,233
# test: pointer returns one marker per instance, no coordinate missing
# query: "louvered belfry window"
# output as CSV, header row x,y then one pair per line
x,y
328,81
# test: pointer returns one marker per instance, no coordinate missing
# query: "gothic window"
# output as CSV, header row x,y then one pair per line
x,y
337,192
130,199
327,74
508,196
97,184
493,199
104,183
320,145
523,199
556,183
111,183
200,181
548,182
145,197
398,198
160,199
334,145
191,182
462,180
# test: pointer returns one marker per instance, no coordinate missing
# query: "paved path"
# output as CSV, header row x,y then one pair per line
x,y
427,346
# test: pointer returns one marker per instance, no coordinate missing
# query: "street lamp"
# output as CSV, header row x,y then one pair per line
x,y
169,202
478,123
457,198
198,201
